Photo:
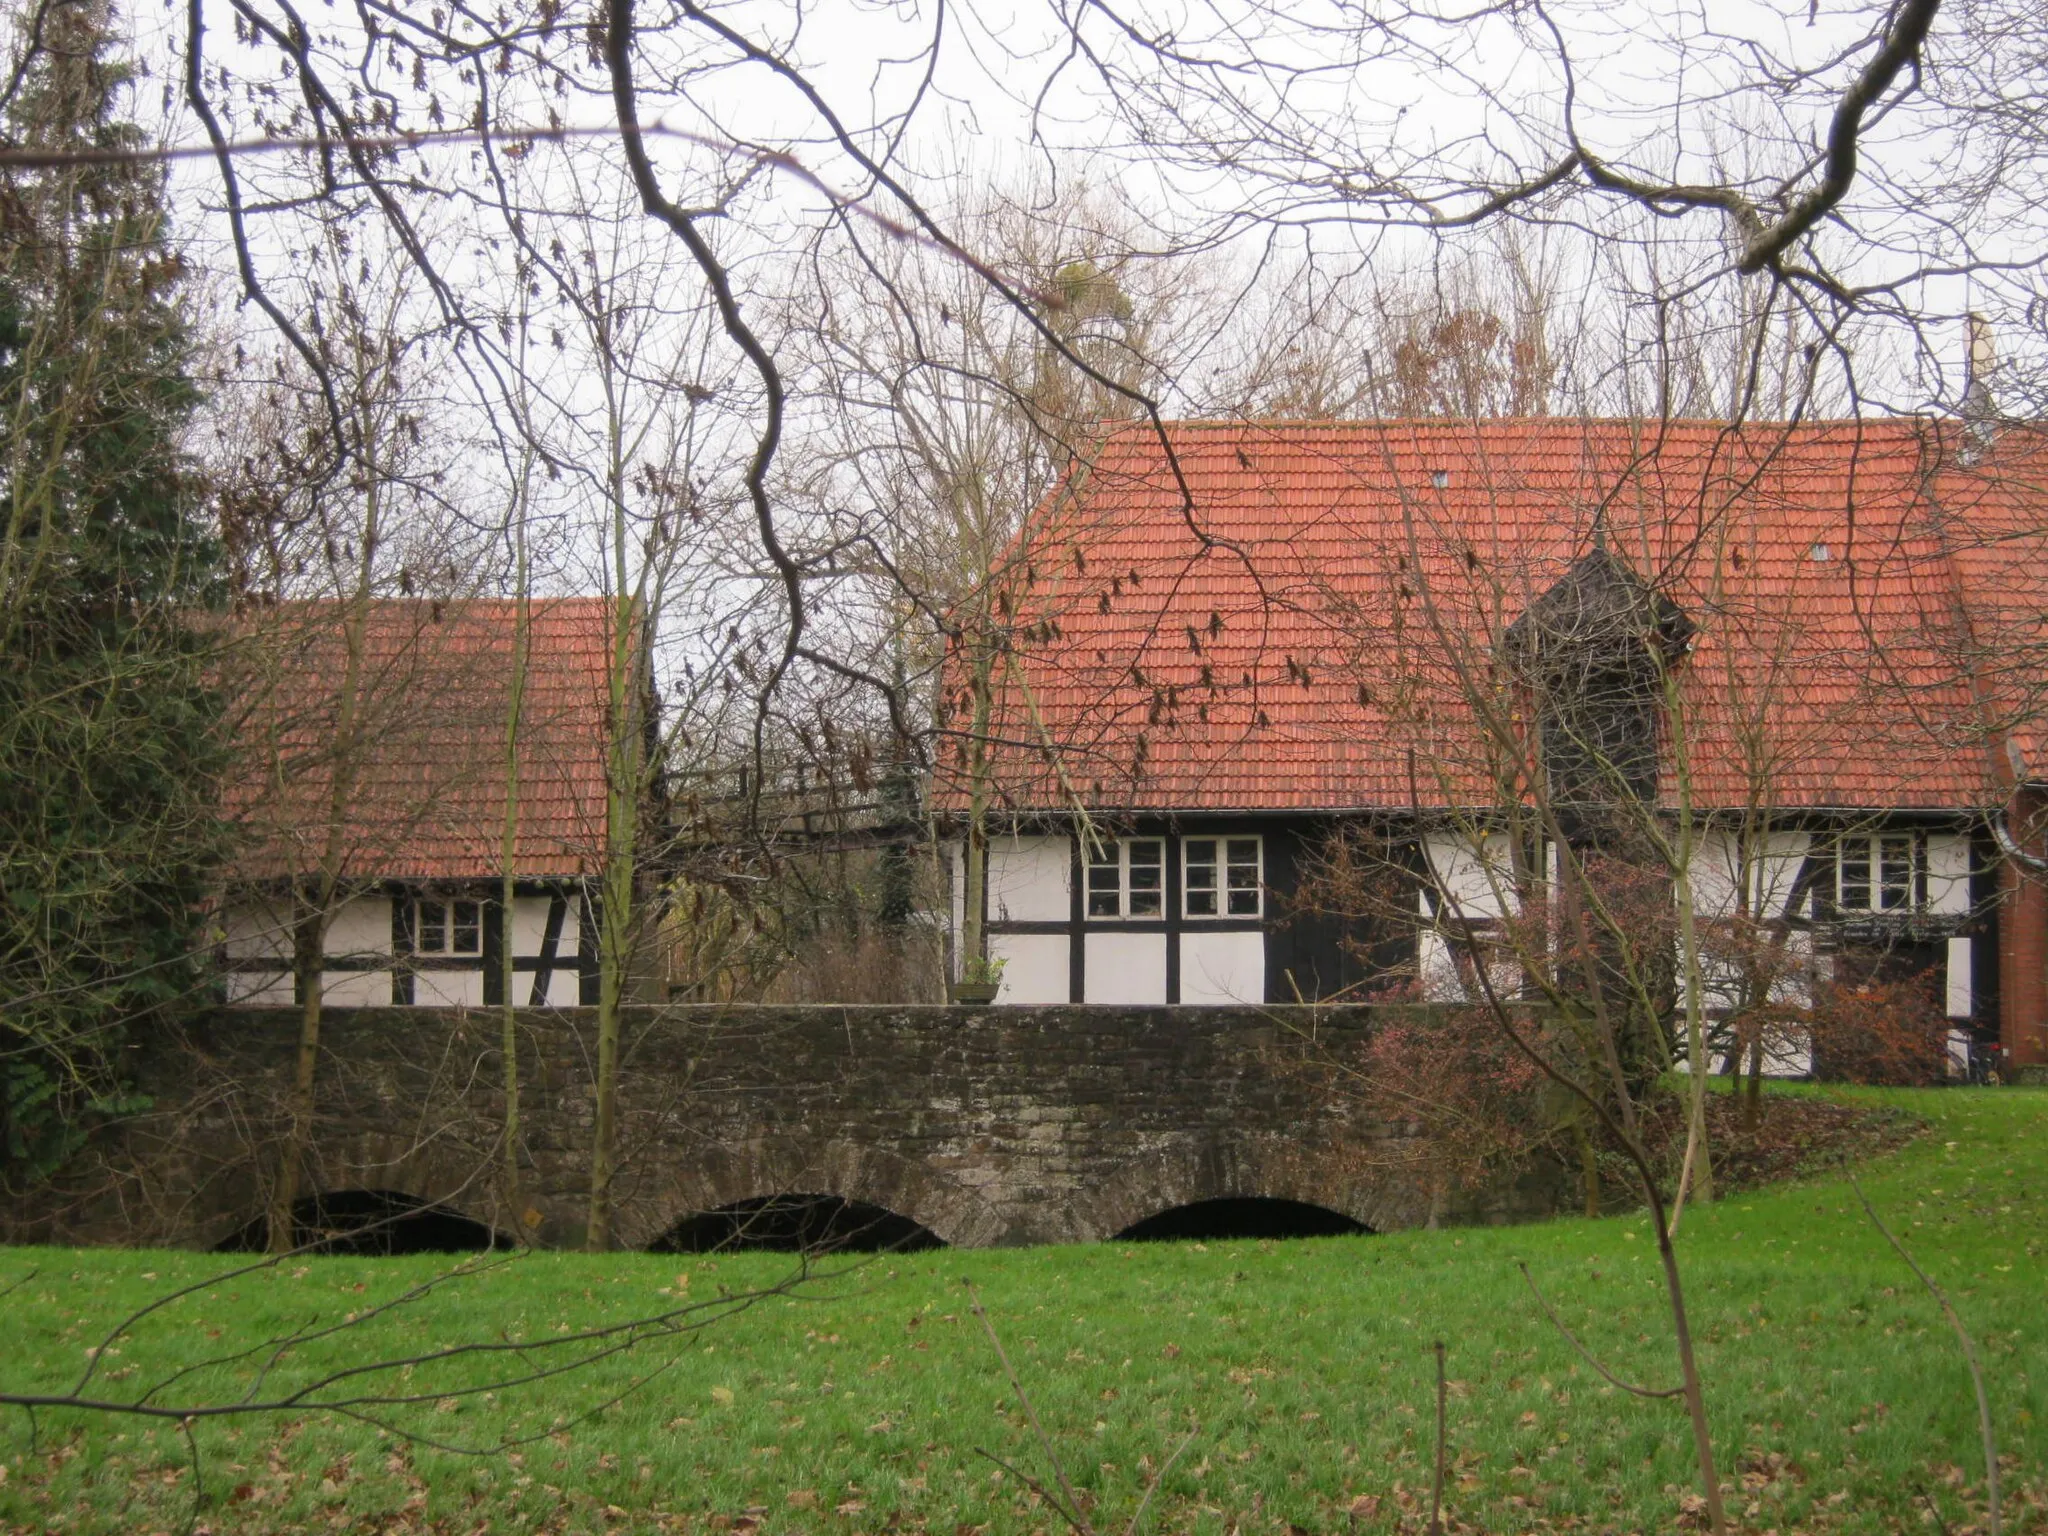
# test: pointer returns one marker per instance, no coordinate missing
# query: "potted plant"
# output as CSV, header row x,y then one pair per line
x,y
980,979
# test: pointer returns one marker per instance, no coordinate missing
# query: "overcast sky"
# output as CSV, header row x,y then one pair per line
x,y
1233,132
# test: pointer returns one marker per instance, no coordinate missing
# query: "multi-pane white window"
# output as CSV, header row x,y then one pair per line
x,y
1127,877
1876,872
1220,877
447,928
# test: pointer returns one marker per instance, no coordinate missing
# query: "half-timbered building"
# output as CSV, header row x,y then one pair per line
x,y
1225,643
378,770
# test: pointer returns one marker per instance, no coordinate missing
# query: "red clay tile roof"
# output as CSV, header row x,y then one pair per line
x,y
1334,596
424,769
1995,528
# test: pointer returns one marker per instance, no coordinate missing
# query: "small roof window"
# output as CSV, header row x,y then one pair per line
x,y
1440,479
1820,552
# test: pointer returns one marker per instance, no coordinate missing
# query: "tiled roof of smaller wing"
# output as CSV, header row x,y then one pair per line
x,y
1327,604
1994,523
411,782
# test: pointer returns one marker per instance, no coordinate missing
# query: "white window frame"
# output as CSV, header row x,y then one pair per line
x,y
449,918
1223,886
1110,877
1869,849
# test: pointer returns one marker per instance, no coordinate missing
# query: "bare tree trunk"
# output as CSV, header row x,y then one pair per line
x,y
625,782
508,1030
309,943
310,926
1689,1377
1690,1387
1589,1166
604,1135
1698,1156
615,955
973,938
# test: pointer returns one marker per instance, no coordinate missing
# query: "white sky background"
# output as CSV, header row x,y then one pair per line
x,y
1303,128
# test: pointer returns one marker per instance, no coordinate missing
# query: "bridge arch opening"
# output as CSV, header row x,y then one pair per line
x,y
371,1223
797,1223
1241,1217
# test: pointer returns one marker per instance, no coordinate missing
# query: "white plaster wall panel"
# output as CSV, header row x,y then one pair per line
x,y
1948,872
1437,970
1716,863
557,992
1480,877
1794,983
1126,968
1035,966
1775,869
530,924
258,931
563,990
265,989
1791,983
1787,1053
361,927
1720,984
956,887
1790,1055
1223,967
1506,976
448,989
1774,863
1030,879
356,989
1961,983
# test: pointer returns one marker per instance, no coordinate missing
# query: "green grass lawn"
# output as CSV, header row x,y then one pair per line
x,y
1838,1397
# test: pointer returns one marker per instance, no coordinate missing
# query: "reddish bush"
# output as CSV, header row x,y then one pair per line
x,y
1471,1102
1887,1032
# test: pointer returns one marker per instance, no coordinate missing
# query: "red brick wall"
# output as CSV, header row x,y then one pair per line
x,y
2023,944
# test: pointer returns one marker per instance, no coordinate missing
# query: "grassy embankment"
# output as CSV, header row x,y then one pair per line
x,y
1838,1396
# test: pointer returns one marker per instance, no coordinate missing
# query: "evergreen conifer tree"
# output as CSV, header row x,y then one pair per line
x,y
109,732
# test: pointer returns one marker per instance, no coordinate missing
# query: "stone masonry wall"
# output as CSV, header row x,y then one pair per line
x,y
990,1126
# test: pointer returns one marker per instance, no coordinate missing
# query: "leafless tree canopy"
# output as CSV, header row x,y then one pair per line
x,y
766,222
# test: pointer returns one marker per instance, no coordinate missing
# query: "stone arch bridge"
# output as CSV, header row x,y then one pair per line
x,y
987,1126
